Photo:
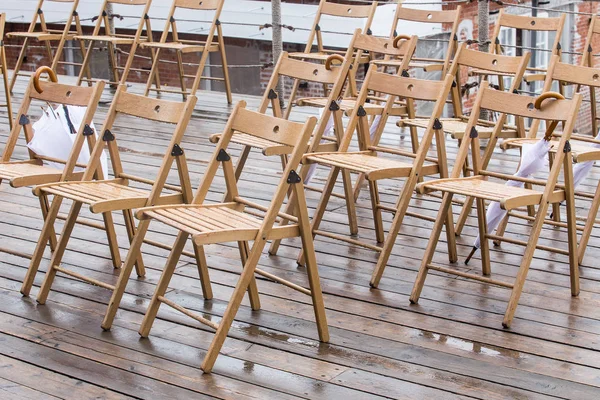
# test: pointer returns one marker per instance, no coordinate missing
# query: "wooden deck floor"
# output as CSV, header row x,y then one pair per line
x,y
451,345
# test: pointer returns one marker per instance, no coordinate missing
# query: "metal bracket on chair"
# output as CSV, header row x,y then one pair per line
x,y
172,19
146,16
405,73
317,28
567,148
558,46
473,133
369,31
497,41
272,95
589,48
177,151
454,84
334,106
39,11
361,112
455,37
75,14
108,136
437,125
293,178
217,22
395,33
515,91
223,156
87,130
24,120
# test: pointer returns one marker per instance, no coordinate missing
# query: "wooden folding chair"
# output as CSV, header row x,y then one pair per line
x,y
490,185
33,171
380,162
350,13
446,17
464,63
103,34
46,36
107,195
4,72
182,47
532,24
231,221
584,148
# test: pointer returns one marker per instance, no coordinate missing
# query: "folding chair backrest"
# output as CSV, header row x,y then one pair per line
x,y
197,5
39,18
55,93
572,75
104,16
352,11
548,107
262,126
500,65
150,109
527,23
448,17
587,59
406,88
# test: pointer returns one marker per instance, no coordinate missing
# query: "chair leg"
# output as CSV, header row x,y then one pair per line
x,y
350,206
485,247
589,225
153,70
390,240
252,288
59,252
374,191
7,90
44,206
130,225
501,229
163,284
295,87
111,236
571,226
312,270
181,75
40,247
430,249
18,64
125,274
233,306
85,65
226,79
321,206
451,236
86,71
203,272
464,214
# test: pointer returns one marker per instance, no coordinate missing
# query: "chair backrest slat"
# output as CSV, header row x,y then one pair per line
x,y
308,71
149,108
417,89
129,2
266,127
382,46
198,4
523,106
529,23
427,16
63,94
347,10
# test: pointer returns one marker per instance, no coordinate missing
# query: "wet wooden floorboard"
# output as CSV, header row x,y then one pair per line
x,y
451,345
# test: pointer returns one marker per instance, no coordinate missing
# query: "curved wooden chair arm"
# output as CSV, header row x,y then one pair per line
x,y
38,73
398,38
547,95
331,59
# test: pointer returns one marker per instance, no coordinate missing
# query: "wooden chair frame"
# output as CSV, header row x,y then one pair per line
x,y
182,46
527,23
32,172
581,148
114,40
353,11
227,221
47,36
482,188
368,159
494,64
361,43
426,17
107,195
4,72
